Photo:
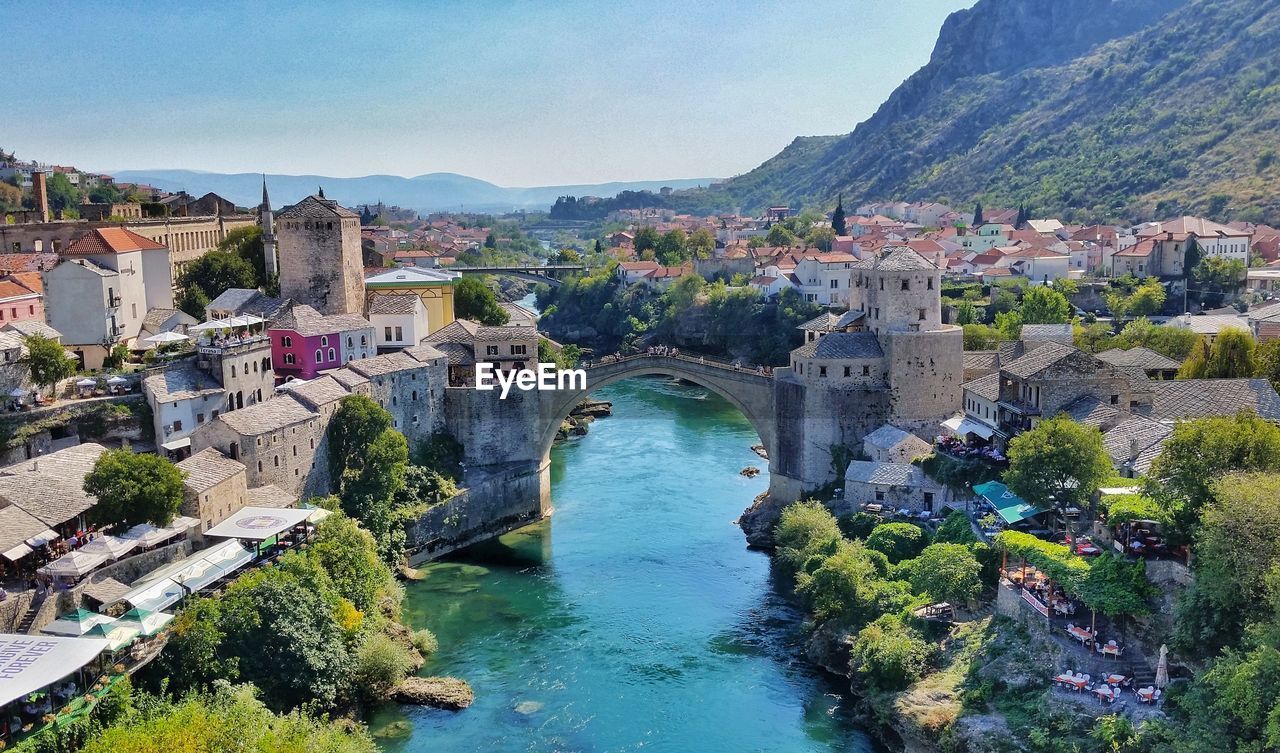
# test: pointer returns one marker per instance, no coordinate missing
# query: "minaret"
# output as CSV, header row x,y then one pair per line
x,y
267,222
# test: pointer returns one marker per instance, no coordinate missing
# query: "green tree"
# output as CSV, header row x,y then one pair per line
x,y
1203,450
1267,356
1147,298
62,195
1174,342
982,337
289,644
702,244
349,555
246,243
1042,305
132,488
216,272
193,301
838,218
1059,460
946,572
472,299
821,238
192,657
966,313
647,239
805,529
779,235
890,654
672,248
490,241
358,421
47,361
1230,357
757,241
897,541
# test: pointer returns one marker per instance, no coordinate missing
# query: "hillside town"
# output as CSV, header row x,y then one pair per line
x,y
940,352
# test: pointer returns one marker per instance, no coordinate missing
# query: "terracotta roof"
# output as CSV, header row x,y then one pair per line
x,y
10,289
111,240
27,262
30,280
1182,227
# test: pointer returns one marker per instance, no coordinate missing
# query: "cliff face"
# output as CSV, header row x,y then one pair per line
x,y
1090,108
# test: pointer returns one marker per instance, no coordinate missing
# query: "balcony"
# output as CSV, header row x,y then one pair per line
x,y
113,301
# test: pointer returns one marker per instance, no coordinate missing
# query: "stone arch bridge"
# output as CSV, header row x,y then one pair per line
x,y
551,274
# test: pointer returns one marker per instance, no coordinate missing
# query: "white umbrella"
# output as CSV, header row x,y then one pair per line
x,y
1162,667
166,337
146,534
73,565
116,381
112,546
86,382
211,324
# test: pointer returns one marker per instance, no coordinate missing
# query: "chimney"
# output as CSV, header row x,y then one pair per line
x,y
40,194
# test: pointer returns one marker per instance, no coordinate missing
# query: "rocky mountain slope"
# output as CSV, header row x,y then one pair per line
x,y
1088,108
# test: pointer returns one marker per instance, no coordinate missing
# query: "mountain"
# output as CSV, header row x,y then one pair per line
x,y
1106,109
425,193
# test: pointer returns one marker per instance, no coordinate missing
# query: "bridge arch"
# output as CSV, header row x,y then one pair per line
x,y
748,391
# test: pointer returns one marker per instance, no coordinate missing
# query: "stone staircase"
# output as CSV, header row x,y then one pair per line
x,y
29,617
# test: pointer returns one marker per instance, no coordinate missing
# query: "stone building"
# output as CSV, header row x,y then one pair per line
x,y
433,286
466,343
888,360
214,487
320,259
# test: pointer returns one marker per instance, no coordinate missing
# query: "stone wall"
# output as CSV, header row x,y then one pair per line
x,y
503,502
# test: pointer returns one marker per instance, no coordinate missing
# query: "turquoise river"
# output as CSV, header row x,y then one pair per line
x,y
634,619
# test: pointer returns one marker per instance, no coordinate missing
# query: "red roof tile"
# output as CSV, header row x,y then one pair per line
x,y
111,240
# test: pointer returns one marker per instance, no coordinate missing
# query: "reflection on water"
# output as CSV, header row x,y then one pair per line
x,y
634,618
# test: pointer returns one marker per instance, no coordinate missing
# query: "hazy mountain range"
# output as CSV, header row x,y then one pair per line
x,y
425,193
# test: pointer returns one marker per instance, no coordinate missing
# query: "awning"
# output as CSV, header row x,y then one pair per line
x,y
962,425
112,546
258,523
31,662
75,624
168,584
1010,506
73,565
17,553
40,539
155,596
146,623
177,444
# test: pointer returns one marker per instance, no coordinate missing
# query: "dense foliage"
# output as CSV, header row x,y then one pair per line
x,y
47,361
368,462
1059,461
599,311
133,488
474,300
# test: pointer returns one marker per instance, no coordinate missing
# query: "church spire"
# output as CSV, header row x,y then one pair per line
x,y
266,201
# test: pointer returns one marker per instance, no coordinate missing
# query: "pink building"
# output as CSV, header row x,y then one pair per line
x,y
21,298
305,342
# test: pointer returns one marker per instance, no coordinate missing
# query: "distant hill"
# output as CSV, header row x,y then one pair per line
x,y
1080,108
425,193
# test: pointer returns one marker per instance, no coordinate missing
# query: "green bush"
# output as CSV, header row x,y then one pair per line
x,y
897,541
425,641
857,525
380,664
890,654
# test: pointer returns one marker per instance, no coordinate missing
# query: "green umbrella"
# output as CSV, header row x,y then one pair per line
x,y
118,636
145,621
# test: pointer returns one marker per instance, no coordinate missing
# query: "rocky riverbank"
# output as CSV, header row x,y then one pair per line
x,y
447,693
581,417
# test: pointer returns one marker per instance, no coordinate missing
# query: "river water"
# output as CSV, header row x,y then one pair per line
x,y
634,619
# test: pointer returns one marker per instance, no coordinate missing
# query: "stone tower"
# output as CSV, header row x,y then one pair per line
x,y
321,264
267,221
900,294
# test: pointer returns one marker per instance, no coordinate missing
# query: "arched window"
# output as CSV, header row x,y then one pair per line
x,y
350,342
288,358
286,341
332,355
324,340
363,341
319,356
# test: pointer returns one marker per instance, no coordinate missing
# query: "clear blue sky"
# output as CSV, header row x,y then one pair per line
x,y
519,92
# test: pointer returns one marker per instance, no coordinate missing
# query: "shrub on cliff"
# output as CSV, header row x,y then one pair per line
x,y
890,654
897,541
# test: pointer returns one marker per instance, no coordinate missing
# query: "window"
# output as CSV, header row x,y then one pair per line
x,y
233,370
491,350
1115,399
286,341
879,495
31,310
928,500
920,314
350,342
319,355
835,283
133,311
906,284
386,331
277,460
332,355
324,340
866,371
930,285
848,371
177,426
822,371
518,350
362,341
882,283
399,334
199,418
288,358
